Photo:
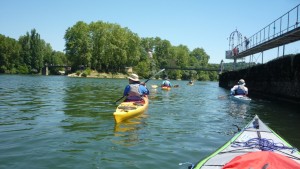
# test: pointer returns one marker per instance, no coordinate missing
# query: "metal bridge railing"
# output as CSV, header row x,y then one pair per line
x,y
287,22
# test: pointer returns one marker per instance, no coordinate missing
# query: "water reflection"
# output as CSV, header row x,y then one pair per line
x,y
238,109
127,132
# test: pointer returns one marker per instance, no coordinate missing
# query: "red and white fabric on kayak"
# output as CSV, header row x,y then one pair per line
x,y
262,160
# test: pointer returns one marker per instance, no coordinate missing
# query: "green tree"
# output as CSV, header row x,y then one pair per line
x,y
78,45
32,51
201,56
36,51
25,53
9,55
162,52
99,32
182,56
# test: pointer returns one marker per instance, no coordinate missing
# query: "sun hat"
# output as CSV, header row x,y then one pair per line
x,y
134,77
241,82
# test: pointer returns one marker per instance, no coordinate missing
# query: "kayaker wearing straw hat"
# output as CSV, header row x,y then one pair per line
x,y
134,91
240,88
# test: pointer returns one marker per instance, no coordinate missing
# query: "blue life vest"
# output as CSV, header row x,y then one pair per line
x,y
240,90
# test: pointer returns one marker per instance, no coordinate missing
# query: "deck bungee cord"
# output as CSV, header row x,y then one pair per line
x,y
263,144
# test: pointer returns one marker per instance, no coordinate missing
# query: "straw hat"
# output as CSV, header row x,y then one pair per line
x,y
134,77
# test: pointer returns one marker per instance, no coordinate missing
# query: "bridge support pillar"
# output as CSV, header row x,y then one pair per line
x,y
45,71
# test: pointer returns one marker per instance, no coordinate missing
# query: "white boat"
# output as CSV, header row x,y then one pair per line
x,y
255,146
241,98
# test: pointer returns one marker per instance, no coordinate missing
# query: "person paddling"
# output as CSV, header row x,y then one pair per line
x,y
240,88
190,82
135,90
166,83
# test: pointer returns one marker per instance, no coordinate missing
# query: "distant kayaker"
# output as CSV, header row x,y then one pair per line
x,y
240,88
166,82
190,82
135,90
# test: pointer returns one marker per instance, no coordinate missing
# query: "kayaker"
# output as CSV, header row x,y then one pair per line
x,y
240,88
135,90
166,82
190,82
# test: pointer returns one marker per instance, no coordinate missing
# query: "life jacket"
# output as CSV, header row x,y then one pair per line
x,y
134,94
240,90
166,83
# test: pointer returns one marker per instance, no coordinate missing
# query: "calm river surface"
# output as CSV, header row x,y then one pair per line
x,y
62,122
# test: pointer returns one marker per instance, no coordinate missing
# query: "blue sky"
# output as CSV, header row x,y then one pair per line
x,y
194,23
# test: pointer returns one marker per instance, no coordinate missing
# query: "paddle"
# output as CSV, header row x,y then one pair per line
x,y
119,99
144,82
154,75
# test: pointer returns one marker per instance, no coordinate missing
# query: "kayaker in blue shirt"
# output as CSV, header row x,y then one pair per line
x,y
134,91
240,88
166,82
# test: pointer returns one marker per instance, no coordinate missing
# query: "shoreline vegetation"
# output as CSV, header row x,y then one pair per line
x,y
102,75
95,74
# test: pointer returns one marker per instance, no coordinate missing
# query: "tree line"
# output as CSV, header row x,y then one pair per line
x,y
27,55
104,47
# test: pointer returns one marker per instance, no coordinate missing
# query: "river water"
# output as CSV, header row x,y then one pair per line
x,y
63,122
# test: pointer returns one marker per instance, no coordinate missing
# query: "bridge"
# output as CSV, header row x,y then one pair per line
x,y
276,80
220,69
282,31
45,69
199,68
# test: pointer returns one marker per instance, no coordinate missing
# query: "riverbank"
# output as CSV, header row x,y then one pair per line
x,y
95,74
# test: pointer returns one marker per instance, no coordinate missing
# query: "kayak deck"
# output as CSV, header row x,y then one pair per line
x,y
166,88
127,110
238,146
241,98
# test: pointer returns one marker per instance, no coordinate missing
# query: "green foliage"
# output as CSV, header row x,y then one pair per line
x,y
104,47
87,71
32,50
143,69
9,54
203,76
200,55
78,44
84,74
23,69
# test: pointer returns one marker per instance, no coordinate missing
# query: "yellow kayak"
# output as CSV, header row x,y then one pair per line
x,y
166,88
127,110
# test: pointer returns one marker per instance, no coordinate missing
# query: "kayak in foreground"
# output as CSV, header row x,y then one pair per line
x,y
241,98
127,110
255,146
166,88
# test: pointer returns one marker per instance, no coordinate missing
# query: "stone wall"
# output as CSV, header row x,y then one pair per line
x,y
277,79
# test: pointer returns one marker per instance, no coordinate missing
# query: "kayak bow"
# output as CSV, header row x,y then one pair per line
x,y
255,138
